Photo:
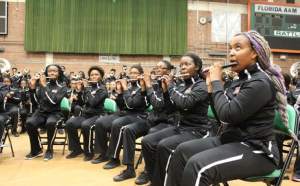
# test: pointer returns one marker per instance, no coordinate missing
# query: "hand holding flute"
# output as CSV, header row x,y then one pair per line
x,y
214,73
121,85
43,80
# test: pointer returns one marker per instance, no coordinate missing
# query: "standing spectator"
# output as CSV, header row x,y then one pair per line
x,y
111,77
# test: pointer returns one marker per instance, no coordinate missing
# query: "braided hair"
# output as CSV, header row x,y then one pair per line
x,y
263,51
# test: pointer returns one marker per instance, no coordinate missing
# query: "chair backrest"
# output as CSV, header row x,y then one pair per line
x,y
210,113
110,105
65,104
150,108
292,121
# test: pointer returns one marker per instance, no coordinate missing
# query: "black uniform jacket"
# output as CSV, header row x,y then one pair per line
x,y
247,109
191,100
94,97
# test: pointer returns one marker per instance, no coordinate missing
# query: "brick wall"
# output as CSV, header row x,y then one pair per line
x,y
199,41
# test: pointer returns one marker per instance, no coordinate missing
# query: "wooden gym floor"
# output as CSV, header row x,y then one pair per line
x,y
62,172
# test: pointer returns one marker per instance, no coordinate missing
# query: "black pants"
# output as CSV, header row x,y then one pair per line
x,y
206,161
13,112
86,124
131,132
102,128
159,127
297,165
157,150
3,118
117,138
38,119
25,112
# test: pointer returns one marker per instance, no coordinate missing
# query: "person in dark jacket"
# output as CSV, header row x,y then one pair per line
x,y
94,96
15,77
291,99
190,99
11,103
76,96
247,110
49,95
103,125
125,126
25,105
163,113
4,116
111,77
127,129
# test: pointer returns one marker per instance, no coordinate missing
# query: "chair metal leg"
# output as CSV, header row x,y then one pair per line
x,y
10,143
139,161
2,142
286,164
6,135
65,143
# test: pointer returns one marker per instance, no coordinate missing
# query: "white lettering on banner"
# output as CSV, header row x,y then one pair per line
x,y
282,33
277,9
109,59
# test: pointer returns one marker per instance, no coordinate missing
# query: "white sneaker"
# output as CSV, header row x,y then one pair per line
x,y
2,145
296,178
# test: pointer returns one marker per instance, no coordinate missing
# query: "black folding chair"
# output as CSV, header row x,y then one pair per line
x,y
60,124
7,128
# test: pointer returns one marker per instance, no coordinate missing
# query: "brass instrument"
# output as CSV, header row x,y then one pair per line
x,y
92,81
294,70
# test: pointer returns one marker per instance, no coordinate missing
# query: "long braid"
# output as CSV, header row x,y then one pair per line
x,y
262,48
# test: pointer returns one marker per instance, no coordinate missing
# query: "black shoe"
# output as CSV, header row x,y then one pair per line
x,y
74,154
113,163
31,156
100,159
88,157
142,179
48,155
126,174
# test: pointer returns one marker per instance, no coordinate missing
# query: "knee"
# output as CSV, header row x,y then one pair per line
x,y
153,130
51,124
128,131
195,163
146,142
29,123
69,125
85,126
162,146
149,141
116,126
99,125
179,150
